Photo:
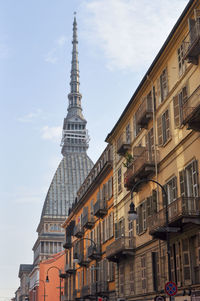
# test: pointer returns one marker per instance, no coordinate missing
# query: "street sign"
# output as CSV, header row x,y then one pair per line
x,y
170,288
159,298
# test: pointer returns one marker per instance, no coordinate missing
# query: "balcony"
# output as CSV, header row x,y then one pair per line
x,y
83,260
93,253
185,210
70,269
78,231
124,143
121,248
101,288
145,112
85,291
100,208
191,111
142,166
191,43
68,243
88,221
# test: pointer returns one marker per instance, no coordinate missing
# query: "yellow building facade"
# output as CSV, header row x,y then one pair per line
x,y
89,230
157,138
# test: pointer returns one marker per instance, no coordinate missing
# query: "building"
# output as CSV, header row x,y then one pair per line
x,y
157,138
71,172
23,291
89,230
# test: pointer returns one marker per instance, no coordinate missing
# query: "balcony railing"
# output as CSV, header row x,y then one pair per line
x,y
100,208
94,252
145,112
101,288
191,43
121,248
142,166
88,221
70,269
68,243
182,211
78,231
124,143
191,111
85,291
83,259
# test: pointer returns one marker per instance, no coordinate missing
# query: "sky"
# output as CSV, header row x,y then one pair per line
x,y
118,40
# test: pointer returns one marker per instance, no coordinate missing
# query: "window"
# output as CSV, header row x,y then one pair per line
x,y
119,179
150,144
171,190
162,86
163,127
128,134
136,127
178,101
181,61
131,277
141,224
189,180
121,280
143,272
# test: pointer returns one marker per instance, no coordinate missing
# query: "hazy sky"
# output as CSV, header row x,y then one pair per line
x,y
118,40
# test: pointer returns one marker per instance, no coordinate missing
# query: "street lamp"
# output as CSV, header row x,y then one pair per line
x,y
47,278
132,208
76,260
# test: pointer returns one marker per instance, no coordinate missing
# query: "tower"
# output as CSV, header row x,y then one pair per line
x,y
75,137
71,172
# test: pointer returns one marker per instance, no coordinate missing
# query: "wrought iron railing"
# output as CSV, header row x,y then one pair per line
x,y
182,207
120,244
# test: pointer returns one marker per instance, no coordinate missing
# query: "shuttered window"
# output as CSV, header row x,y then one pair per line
x,y
181,61
128,134
121,279
141,223
136,127
150,144
131,278
162,86
119,179
186,260
163,128
171,190
189,180
143,272
178,101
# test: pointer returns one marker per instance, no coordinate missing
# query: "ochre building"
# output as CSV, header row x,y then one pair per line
x,y
157,138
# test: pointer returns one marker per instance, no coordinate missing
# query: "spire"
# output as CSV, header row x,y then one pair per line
x,y
75,137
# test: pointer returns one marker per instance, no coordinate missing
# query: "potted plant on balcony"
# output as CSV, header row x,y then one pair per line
x,y
129,159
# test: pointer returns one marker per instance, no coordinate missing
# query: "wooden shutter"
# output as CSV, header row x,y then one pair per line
x,y
186,261
144,221
159,129
195,178
167,120
106,192
183,188
174,187
111,224
137,221
176,111
154,202
178,275
158,91
191,25
154,270
148,206
185,95
164,196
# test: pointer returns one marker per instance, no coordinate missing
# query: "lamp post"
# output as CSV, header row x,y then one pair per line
x,y
47,277
132,214
76,261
